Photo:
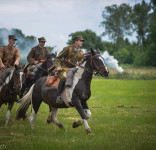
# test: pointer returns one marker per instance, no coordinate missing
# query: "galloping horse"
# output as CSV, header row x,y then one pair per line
x,y
75,96
11,89
43,70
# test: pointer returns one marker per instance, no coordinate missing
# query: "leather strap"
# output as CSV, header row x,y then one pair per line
x,y
70,51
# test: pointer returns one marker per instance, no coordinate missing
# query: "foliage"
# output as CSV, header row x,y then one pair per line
x,y
91,39
117,22
140,18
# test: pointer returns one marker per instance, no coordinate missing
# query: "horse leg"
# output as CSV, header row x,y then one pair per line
x,y
10,105
50,120
76,102
36,102
54,117
88,114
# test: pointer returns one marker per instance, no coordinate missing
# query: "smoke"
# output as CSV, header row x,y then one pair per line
x,y
111,62
23,43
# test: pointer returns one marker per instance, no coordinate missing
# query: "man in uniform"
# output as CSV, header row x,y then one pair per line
x,y
62,66
36,56
9,55
38,52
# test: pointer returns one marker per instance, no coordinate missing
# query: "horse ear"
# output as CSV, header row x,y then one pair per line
x,y
92,51
23,66
55,53
98,51
16,66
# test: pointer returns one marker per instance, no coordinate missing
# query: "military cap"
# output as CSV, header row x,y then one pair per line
x,y
12,37
79,37
42,39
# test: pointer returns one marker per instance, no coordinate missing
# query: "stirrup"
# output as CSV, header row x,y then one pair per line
x,y
59,100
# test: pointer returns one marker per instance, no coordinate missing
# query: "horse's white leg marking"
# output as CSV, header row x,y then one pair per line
x,y
86,124
54,115
21,73
7,117
32,118
88,113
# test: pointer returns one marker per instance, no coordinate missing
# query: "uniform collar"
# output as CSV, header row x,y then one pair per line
x,y
40,46
76,49
11,47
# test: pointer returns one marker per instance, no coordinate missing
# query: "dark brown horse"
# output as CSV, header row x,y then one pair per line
x,y
75,96
11,88
42,70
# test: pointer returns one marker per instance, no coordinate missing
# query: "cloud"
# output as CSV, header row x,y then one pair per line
x,y
55,19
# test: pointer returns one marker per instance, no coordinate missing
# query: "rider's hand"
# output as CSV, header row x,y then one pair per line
x,y
16,63
36,62
2,66
59,68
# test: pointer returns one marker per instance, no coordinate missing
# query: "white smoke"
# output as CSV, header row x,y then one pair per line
x,y
111,62
24,43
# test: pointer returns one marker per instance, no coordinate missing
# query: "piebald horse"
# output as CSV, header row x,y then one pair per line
x,y
74,96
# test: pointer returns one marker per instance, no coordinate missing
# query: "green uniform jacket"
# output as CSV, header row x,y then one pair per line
x,y
37,53
75,57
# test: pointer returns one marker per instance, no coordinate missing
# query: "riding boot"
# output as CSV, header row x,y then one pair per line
x,y
59,91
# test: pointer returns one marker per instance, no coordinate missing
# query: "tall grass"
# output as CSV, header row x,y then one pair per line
x,y
123,118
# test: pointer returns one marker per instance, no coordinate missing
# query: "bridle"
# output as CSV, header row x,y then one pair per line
x,y
48,70
94,67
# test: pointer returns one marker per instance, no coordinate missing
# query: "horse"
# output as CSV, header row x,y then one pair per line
x,y
74,96
43,70
11,88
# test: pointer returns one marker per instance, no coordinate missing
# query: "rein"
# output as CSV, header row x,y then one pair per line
x,y
48,70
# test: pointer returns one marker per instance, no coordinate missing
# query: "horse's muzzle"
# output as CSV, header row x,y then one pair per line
x,y
103,73
17,87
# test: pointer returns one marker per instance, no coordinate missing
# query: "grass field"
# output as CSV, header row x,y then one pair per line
x,y
123,118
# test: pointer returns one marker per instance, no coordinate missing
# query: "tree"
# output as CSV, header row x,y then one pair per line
x,y
91,40
117,22
151,51
141,20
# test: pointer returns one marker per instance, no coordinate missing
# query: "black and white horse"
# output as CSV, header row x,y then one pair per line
x,y
75,96
11,88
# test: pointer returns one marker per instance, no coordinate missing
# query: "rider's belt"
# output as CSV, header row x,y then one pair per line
x,y
11,62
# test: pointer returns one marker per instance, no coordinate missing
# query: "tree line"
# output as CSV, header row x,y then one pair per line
x,y
120,22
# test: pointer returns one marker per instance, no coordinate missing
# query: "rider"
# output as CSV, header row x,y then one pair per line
x,y
62,66
36,56
9,55
37,53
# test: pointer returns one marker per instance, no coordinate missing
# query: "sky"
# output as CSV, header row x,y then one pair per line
x,y
55,19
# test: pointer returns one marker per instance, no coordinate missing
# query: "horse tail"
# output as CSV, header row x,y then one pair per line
x,y
25,103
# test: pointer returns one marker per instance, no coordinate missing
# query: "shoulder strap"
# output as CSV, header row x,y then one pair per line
x,y
70,51
81,54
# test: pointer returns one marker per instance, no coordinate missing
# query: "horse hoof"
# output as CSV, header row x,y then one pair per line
x,y
49,121
88,130
75,125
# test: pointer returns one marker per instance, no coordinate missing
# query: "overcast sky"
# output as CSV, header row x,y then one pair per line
x,y
55,19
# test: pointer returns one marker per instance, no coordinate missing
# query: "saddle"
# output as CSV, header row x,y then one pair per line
x,y
52,81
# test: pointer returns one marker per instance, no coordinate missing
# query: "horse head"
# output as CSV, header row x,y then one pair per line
x,y
50,60
18,77
98,64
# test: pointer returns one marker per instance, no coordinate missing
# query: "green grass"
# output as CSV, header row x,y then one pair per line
x,y
123,118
